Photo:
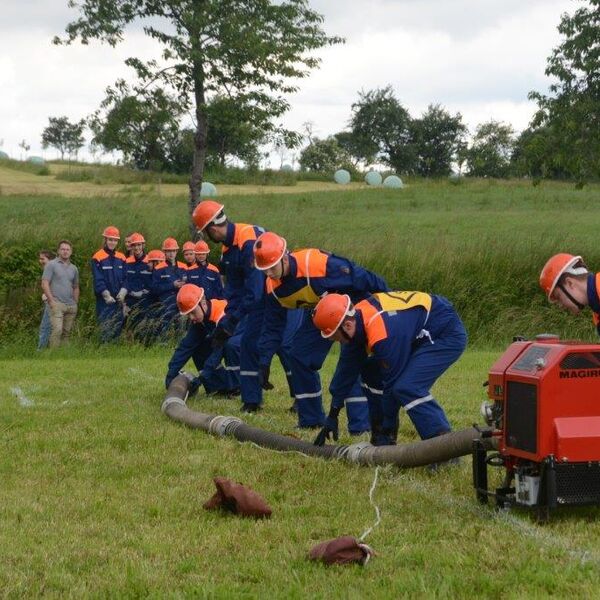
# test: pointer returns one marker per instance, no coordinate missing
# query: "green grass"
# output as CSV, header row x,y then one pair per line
x,y
481,244
101,496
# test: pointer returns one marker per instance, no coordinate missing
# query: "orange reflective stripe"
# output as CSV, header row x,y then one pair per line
x,y
310,263
217,310
375,329
100,255
161,265
130,259
212,268
181,265
120,255
272,285
242,234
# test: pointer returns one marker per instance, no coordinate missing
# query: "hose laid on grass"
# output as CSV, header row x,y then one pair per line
x,y
416,454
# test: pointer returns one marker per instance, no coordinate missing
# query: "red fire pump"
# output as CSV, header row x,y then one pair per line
x,y
545,407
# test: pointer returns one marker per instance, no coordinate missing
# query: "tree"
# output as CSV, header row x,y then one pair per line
x,y
572,110
490,152
234,131
143,126
63,135
438,137
251,50
381,128
25,146
351,145
323,156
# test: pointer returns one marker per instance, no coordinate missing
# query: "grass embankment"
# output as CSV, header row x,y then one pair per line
x,y
482,243
101,496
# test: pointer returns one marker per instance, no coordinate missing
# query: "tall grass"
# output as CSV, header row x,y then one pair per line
x,y
25,166
107,174
481,244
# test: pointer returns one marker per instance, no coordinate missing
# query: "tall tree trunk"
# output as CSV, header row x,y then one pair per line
x,y
199,143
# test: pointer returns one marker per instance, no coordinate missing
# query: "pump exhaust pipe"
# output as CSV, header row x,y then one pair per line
x,y
416,454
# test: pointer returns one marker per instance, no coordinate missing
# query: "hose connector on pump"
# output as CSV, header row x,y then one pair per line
x,y
487,412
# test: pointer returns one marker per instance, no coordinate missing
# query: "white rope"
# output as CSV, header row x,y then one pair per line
x,y
377,511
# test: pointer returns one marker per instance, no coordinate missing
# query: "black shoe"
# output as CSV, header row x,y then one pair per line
x,y
250,408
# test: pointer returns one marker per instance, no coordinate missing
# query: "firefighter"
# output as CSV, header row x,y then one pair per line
x,y
401,343
206,275
138,280
297,280
167,278
205,315
189,257
244,291
567,282
108,270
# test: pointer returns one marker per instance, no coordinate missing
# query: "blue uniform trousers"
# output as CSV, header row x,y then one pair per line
x,y
249,358
307,355
110,320
412,389
216,377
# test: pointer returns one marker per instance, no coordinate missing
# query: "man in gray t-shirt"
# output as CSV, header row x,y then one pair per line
x,y
60,282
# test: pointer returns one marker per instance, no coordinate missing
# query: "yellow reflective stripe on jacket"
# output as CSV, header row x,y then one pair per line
x,y
305,297
394,301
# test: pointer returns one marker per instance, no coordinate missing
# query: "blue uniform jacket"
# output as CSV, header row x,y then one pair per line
x,y
388,338
163,281
208,277
138,276
312,274
108,270
244,285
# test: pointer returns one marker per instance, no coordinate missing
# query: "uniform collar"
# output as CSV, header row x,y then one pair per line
x,y
230,235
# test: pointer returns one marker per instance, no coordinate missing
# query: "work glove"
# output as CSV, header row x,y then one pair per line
x,y
126,310
263,378
137,294
219,337
121,295
108,299
330,428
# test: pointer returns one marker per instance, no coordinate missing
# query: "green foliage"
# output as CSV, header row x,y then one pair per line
x,y
491,150
25,166
63,135
381,129
143,126
324,156
438,137
572,109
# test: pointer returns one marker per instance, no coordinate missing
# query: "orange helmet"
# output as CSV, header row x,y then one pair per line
x,y
170,244
269,249
329,313
155,255
201,247
207,212
188,246
111,232
188,297
558,265
136,238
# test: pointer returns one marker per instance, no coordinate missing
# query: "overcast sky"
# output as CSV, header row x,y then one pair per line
x,y
476,57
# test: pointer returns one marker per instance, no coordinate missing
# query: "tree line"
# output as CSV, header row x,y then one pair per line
x,y
231,63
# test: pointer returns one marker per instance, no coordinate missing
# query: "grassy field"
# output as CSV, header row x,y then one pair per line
x,y
101,496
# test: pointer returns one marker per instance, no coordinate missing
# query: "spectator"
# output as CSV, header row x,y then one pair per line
x,y
60,282
44,257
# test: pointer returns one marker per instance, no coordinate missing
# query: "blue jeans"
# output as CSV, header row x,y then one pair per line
x,y
45,328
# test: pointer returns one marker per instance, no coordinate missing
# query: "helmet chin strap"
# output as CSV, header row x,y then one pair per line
x,y
570,297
